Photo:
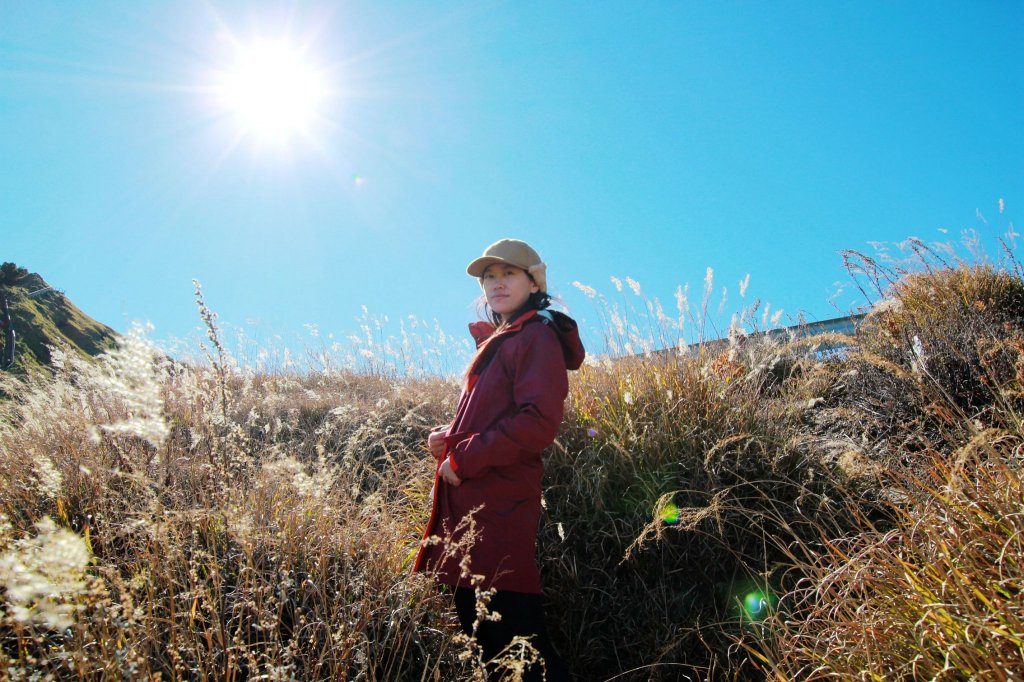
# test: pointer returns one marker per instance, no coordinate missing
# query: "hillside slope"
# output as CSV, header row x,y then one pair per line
x,y
43,316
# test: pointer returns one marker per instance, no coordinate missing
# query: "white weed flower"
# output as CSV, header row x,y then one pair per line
x,y
291,471
660,311
709,279
634,285
58,359
919,363
1011,235
736,330
129,375
590,292
618,322
617,282
681,302
744,283
42,575
48,478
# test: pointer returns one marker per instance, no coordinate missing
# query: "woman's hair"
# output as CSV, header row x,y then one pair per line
x,y
540,300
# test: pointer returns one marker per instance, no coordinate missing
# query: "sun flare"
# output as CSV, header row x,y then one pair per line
x,y
272,91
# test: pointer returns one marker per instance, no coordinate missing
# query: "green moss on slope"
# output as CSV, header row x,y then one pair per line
x,y
43,317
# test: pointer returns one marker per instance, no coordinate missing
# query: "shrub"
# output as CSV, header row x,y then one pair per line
x,y
931,361
933,322
673,479
928,586
935,597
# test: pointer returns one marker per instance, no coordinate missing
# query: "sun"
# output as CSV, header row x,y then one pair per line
x,y
272,91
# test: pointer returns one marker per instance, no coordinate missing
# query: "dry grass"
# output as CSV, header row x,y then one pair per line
x,y
264,532
927,585
936,596
769,511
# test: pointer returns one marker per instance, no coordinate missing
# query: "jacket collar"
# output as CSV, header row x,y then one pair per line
x,y
483,330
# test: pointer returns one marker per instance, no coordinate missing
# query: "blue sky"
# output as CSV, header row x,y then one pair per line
x,y
650,139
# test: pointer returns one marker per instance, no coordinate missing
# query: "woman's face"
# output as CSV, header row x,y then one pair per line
x,y
506,288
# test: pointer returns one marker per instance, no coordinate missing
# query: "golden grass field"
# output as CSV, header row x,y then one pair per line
x,y
773,511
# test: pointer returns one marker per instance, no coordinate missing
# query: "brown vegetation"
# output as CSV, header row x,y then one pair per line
x,y
768,512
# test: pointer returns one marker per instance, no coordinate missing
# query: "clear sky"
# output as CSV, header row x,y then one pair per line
x,y
305,159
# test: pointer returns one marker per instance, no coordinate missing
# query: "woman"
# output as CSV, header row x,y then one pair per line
x,y
489,458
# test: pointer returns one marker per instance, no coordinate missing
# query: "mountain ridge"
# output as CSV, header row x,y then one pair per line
x,y
43,316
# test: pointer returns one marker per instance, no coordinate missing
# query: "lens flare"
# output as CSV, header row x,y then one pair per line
x,y
670,514
755,604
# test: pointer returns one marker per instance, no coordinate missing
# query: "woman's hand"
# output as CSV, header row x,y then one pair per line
x,y
435,441
448,475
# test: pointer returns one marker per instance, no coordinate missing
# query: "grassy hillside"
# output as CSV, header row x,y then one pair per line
x,y
48,318
767,512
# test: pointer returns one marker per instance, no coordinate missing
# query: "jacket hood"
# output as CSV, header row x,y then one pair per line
x,y
565,329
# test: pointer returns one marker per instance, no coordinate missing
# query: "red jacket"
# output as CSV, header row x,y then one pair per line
x,y
509,412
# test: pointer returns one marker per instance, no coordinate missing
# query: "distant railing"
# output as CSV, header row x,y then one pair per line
x,y
838,325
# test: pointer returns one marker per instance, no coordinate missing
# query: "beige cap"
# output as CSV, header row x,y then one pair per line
x,y
512,252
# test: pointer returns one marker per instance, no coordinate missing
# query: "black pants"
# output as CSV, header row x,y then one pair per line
x,y
521,614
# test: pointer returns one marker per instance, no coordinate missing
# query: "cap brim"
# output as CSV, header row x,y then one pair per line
x,y
477,267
